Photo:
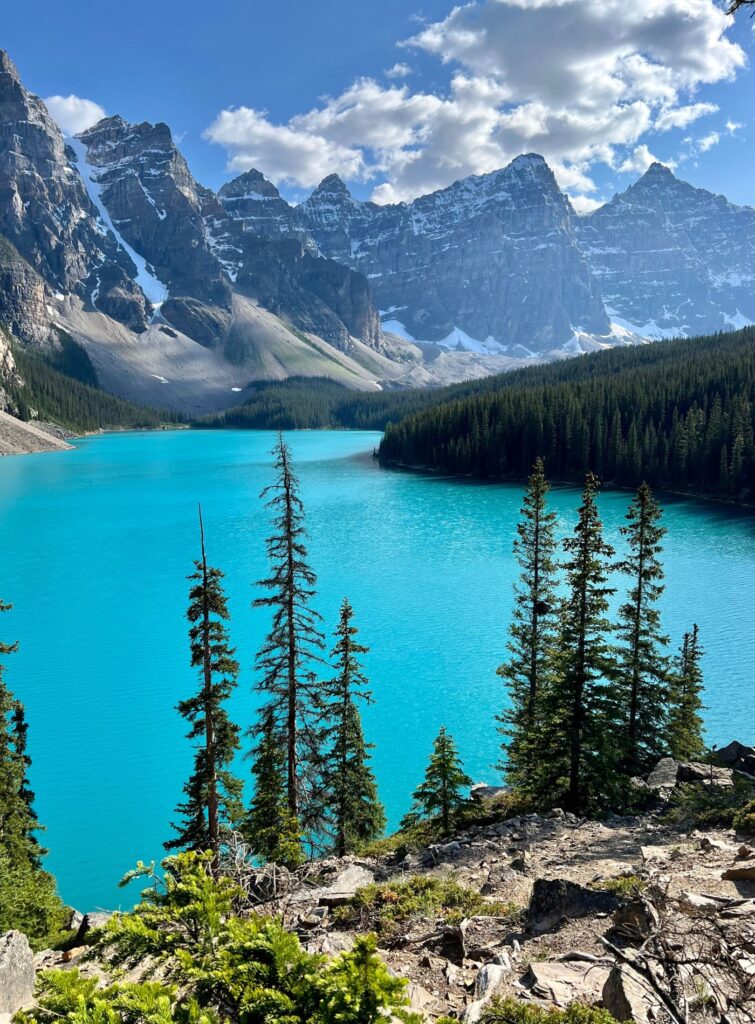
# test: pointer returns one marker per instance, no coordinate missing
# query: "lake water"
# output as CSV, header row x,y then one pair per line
x,y
95,547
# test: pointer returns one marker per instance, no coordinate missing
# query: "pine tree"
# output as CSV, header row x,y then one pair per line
x,y
440,795
532,634
643,663
213,793
356,814
292,647
18,820
579,744
685,725
272,831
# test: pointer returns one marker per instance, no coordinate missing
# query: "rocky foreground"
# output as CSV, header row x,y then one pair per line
x,y
651,920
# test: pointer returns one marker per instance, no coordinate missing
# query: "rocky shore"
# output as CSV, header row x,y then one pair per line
x,y
644,916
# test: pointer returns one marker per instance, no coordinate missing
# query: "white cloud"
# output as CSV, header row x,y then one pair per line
x,y
585,204
680,117
399,70
640,159
578,81
708,142
74,113
732,127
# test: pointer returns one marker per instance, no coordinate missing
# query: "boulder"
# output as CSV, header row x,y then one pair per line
x,y
481,792
740,873
89,922
564,983
737,757
270,882
668,774
345,886
554,900
488,982
628,997
16,972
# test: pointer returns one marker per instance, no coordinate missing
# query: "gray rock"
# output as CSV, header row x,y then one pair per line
x,y
628,997
563,983
16,972
556,900
482,792
738,757
89,923
345,886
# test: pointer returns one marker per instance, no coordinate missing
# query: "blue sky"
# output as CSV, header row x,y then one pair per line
x,y
400,100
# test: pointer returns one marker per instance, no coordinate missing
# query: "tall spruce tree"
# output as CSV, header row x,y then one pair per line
x,y
292,648
355,812
272,831
685,724
579,732
532,636
642,661
18,820
440,794
213,793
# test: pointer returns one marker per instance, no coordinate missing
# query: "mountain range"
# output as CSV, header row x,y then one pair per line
x,y
182,296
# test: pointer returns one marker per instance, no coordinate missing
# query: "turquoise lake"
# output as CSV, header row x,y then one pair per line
x,y
95,548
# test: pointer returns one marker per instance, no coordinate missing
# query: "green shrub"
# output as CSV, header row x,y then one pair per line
x,y
386,905
744,818
216,965
511,1011
696,806
30,903
629,886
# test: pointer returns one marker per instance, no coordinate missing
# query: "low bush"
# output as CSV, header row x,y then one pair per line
x,y
512,1011
385,906
697,806
214,965
29,902
744,818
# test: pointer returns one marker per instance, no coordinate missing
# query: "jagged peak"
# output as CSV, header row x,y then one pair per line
x,y
7,66
248,185
658,172
525,160
332,185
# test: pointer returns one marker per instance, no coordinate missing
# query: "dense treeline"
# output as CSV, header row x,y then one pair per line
x,y
60,386
680,415
306,403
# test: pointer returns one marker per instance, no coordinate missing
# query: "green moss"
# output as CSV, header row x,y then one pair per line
x,y
385,906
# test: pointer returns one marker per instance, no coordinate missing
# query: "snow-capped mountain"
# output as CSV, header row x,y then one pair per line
x,y
670,259
182,296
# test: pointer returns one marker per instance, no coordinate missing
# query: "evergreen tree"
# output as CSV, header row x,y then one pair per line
x,y
685,726
28,900
292,647
643,664
440,795
579,742
532,634
213,793
272,831
18,822
356,814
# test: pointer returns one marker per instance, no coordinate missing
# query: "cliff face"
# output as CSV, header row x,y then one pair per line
x,y
492,259
45,211
672,259
24,298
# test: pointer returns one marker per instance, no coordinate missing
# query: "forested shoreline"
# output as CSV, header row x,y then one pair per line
x,y
679,414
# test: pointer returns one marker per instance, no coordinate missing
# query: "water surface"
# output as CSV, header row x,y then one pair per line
x,y
95,547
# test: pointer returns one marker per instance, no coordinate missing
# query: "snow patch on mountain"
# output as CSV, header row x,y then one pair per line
x,y
152,287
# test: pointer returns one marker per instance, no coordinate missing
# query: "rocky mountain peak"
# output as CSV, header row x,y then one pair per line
x,y
252,184
332,186
7,67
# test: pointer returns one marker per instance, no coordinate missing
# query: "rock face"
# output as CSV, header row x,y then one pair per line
x,y
16,972
23,297
671,259
45,211
491,262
